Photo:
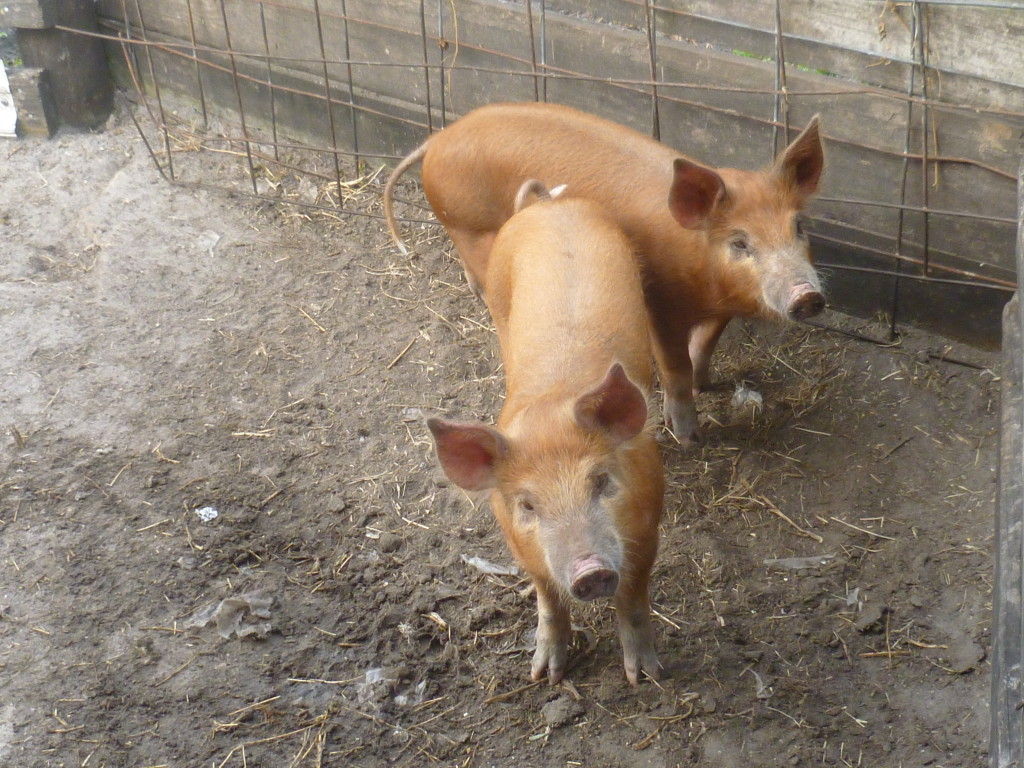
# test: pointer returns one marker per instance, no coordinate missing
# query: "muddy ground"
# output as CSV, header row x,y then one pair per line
x,y
167,354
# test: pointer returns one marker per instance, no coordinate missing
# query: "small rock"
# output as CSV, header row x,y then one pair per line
x,y
917,598
965,656
561,711
308,190
207,241
267,188
870,617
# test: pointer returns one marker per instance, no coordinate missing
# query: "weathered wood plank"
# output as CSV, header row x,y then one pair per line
x,y
28,14
30,87
846,49
1007,735
494,36
865,132
1007,740
721,117
79,77
983,42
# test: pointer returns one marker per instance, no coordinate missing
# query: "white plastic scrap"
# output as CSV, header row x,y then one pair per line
x,y
486,566
744,396
206,514
230,613
799,563
375,681
207,241
761,689
415,698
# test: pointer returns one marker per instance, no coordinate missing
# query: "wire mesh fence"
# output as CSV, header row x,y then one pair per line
x,y
310,100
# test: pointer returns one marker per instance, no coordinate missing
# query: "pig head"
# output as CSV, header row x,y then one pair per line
x,y
752,222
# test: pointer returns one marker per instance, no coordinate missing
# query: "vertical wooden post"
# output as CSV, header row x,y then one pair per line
x,y
1006,746
78,76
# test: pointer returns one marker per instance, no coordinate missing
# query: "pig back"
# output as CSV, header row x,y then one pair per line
x,y
565,294
474,167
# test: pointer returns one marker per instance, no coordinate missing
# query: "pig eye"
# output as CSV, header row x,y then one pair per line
x,y
602,482
526,506
740,246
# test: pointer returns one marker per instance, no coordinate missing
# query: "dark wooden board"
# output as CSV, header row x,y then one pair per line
x,y
28,14
973,49
37,115
79,76
1007,740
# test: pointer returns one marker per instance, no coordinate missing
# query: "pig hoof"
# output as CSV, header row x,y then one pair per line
x,y
554,669
691,439
681,420
637,636
552,651
686,438
640,659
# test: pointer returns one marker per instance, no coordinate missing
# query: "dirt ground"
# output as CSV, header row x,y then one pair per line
x,y
823,590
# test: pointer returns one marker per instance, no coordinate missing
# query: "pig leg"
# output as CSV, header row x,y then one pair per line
x,y
554,631
703,340
677,380
473,249
636,633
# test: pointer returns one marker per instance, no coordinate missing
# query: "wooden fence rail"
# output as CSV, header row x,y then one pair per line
x,y
922,104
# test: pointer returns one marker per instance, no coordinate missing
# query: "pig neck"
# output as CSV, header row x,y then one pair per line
x,y
675,262
529,414
690,267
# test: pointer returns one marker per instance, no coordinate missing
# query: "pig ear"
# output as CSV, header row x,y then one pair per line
x,y
803,161
530,187
469,453
616,406
695,192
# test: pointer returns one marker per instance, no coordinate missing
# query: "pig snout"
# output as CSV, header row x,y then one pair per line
x,y
804,302
592,578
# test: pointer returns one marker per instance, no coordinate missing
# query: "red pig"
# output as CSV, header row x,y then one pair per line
x,y
713,244
573,465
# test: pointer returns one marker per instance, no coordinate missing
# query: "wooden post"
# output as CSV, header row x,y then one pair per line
x,y
1006,747
37,114
77,73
